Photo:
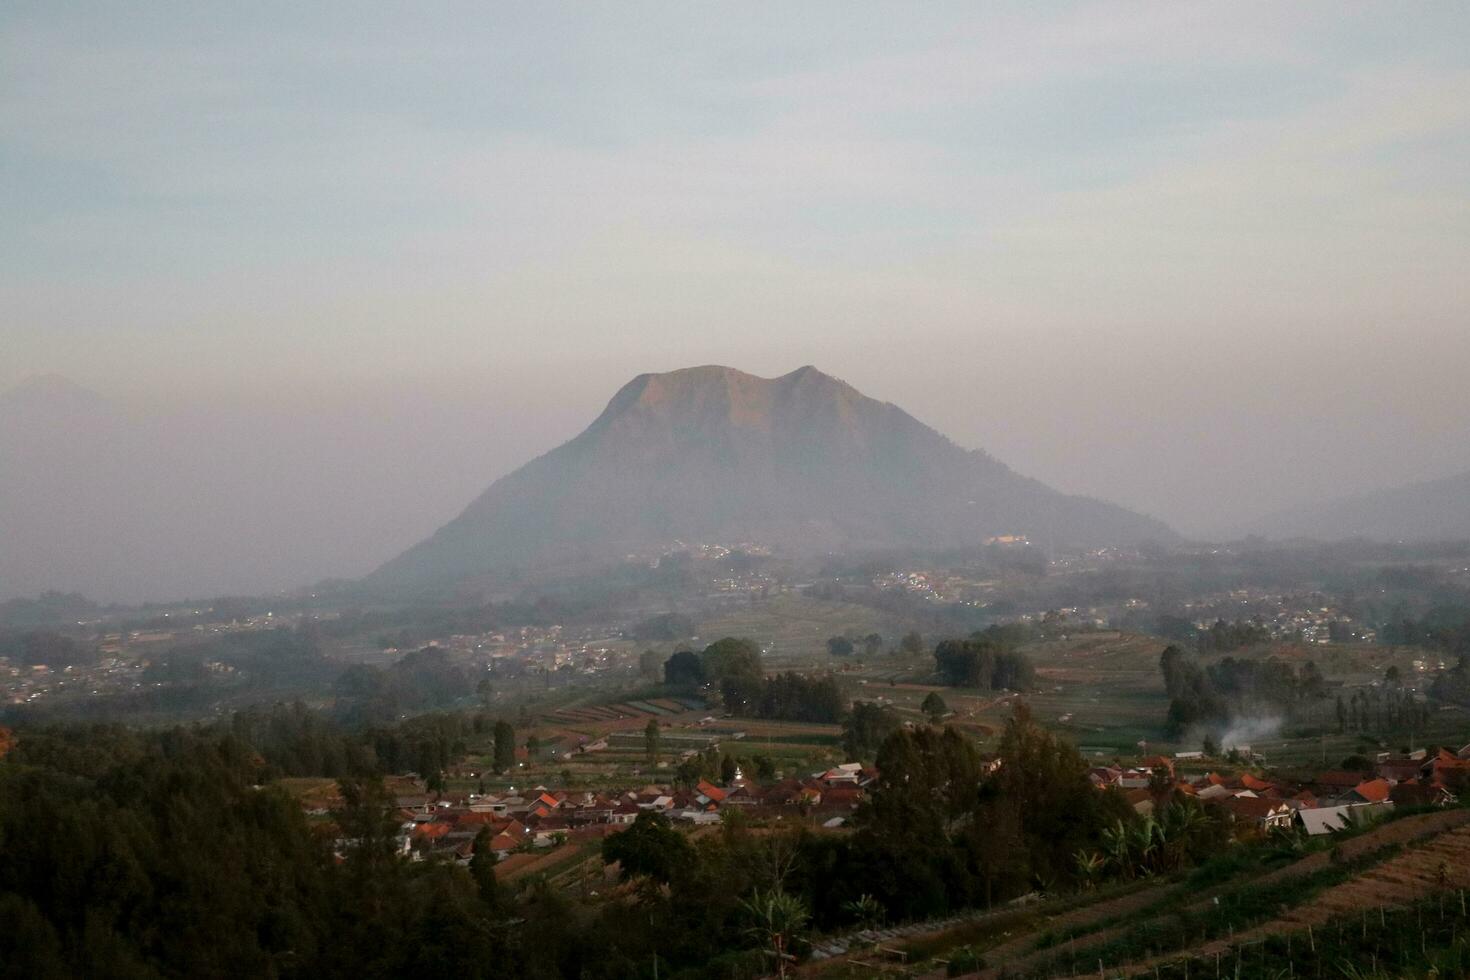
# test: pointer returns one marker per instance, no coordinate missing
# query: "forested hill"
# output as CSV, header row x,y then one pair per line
x,y
803,462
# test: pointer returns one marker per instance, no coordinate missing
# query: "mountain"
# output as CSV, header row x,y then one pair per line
x,y
803,462
1435,510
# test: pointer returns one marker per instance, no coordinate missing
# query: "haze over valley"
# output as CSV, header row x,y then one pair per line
x,y
672,491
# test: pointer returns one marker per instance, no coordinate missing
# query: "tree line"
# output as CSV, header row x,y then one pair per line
x,y
987,659
1218,693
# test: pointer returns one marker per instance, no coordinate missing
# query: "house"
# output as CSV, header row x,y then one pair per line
x,y
624,813
848,772
1400,770
1260,814
709,791
1141,800
1336,784
1370,791
1258,786
742,796
1447,768
1418,793
503,843
842,797
1326,819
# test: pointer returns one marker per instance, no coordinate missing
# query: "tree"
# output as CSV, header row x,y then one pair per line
x,y
505,746
865,728
776,919
533,748
1173,665
872,646
684,669
732,657
482,867
912,644
650,664
934,707
728,768
651,847
1045,778
865,910
839,646
650,741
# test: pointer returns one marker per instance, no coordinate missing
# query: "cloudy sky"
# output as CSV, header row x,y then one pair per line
x,y
1202,259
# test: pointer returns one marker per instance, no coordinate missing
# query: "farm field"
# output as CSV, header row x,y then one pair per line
x,y
1129,927
793,629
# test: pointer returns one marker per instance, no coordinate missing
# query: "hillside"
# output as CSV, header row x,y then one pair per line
x,y
1434,510
803,463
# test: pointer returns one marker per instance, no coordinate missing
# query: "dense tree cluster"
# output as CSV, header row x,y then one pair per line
x,y
866,727
1444,627
1217,693
1381,709
985,660
734,668
43,647
1453,686
417,681
158,854
1223,637
787,697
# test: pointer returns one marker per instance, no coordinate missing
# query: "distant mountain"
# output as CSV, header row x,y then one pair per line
x,y
1435,510
803,462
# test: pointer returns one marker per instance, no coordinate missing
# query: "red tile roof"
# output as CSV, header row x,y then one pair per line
x,y
1374,790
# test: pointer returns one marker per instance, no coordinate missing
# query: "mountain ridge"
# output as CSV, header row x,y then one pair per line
x,y
1436,509
802,461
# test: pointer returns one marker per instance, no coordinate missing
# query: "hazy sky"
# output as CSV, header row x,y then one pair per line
x,y
1201,259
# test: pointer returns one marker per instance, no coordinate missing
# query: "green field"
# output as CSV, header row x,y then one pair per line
x,y
794,629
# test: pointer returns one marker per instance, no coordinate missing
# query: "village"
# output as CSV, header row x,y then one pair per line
x,y
537,825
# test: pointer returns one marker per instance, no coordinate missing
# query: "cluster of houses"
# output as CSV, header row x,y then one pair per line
x,y
544,818
1320,804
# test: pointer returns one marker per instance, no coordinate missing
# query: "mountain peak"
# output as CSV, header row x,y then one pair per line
x,y
709,386
51,393
802,462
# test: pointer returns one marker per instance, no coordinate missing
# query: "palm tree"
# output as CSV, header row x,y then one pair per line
x,y
864,910
1144,841
1183,822
776,919
1116,845
1090,865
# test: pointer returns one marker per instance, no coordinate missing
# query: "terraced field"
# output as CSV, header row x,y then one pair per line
x,y
793,629
1414,859
1405,859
